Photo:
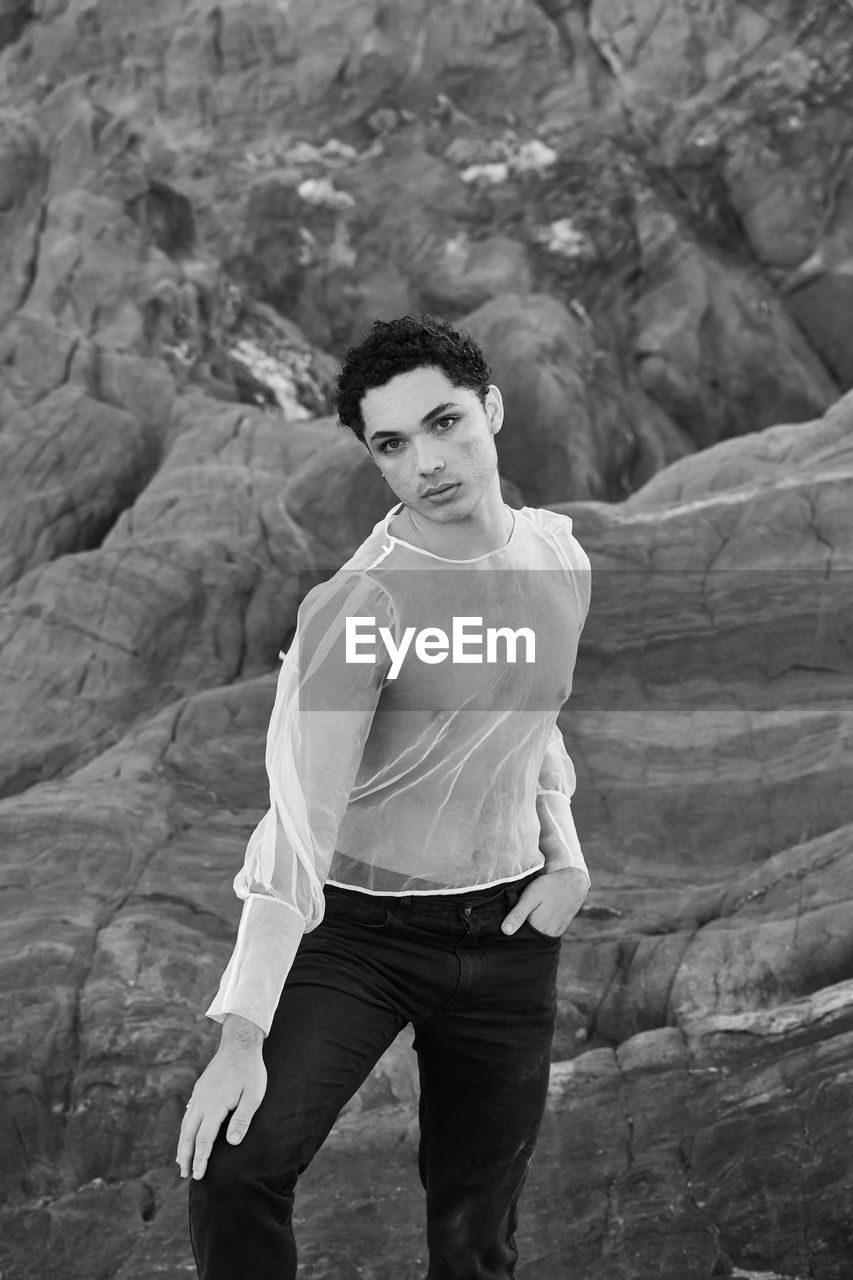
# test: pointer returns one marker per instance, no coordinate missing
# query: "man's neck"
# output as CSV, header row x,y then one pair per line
x,y
486,529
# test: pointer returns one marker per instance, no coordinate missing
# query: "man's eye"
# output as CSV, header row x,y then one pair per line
x,y
385,447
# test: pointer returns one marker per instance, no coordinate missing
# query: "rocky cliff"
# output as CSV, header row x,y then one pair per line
x,y
645,213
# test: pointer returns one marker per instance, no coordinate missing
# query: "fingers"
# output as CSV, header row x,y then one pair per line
x,y
241,1118
198,1132
203,1147
186,1142
565,894
522,909
511,922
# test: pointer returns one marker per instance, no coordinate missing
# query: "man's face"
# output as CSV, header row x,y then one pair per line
x,y
427,434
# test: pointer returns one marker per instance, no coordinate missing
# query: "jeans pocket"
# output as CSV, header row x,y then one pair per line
x,y
537,933
346,907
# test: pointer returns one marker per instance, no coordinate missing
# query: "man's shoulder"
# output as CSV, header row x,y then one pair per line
x,y
373,551
554,532
556,522
357,583
555,528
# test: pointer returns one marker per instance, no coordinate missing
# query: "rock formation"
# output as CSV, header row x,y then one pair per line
x,y
643,212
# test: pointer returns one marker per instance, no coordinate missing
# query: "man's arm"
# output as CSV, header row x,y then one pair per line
x,y
558,838
322,715
552,900
240,1031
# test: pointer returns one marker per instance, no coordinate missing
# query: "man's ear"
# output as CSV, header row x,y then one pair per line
x,y
494,409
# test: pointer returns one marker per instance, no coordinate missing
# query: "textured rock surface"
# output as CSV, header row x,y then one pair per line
x,y
643,211
711,962
722,628
574,423
196,584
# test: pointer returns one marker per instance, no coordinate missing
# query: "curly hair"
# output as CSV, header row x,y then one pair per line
x,y
396,346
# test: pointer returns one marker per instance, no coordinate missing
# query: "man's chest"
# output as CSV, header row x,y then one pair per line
x,y
486,640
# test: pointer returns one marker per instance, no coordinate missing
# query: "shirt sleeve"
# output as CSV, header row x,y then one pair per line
x,y
581,568
558,839
325,701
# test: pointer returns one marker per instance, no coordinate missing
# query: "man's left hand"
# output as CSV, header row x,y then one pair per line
x,y
551,901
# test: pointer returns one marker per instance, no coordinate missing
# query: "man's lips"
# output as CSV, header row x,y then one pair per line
x,y
440,489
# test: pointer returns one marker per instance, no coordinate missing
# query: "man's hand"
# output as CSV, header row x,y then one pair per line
x,y
551,901
235,1080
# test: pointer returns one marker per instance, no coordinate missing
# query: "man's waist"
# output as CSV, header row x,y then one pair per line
x,y
473,892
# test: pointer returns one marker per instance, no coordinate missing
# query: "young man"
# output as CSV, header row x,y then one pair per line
x,y
418,862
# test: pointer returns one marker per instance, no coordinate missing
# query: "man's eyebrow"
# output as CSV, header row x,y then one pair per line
x,y
437,412
425,420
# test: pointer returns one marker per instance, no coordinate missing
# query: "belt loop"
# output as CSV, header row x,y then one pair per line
x,y
512,894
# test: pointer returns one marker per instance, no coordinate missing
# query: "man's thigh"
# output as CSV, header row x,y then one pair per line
x,y
484,1068
330,1029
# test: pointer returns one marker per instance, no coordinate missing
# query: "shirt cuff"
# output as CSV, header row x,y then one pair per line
x,y
267,941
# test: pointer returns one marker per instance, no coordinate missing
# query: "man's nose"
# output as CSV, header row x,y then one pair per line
x,y
429,460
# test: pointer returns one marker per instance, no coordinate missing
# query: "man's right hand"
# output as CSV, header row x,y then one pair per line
x,y
235,1080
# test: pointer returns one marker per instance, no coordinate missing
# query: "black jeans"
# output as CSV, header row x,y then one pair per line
x,y
483,1006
